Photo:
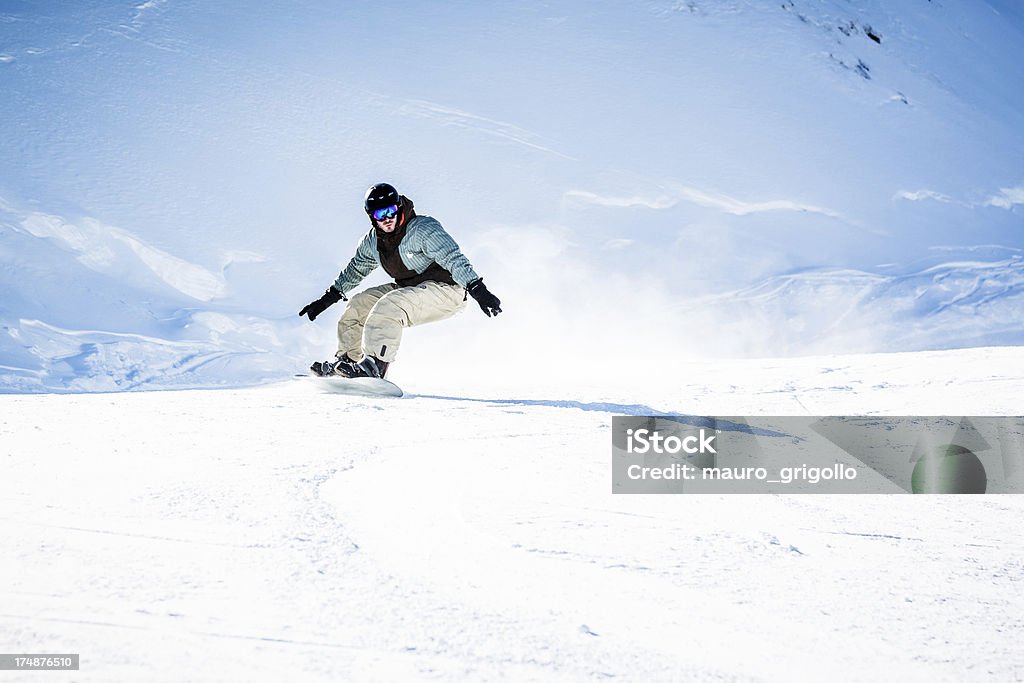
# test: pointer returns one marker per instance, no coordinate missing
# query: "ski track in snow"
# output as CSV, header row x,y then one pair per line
x,y
277,533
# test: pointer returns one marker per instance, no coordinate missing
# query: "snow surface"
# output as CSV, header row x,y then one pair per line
x,y
728,207
281,533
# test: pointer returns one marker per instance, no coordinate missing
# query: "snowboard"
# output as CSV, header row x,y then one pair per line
x,y
357,386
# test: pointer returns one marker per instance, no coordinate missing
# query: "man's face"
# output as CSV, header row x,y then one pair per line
x,y
387,218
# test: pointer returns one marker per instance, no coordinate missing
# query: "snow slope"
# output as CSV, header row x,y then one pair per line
x,y
649,187
278,533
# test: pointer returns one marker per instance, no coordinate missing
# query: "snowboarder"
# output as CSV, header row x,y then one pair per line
x,y
432,280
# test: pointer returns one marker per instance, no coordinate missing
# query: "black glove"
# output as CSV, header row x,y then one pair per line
x,y
315,308
489,303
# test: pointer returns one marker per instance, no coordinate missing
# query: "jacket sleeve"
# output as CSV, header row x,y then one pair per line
x,y
361,265
439,245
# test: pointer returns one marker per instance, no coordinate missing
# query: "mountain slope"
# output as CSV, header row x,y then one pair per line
x,y
185,173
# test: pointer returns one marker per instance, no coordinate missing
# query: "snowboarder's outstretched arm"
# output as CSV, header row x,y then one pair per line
x,y
439,245
362,264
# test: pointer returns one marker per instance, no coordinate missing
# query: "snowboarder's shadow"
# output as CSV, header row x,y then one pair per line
x,y
615,408
631,409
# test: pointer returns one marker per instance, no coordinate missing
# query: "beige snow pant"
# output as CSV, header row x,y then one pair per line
x,y
373,321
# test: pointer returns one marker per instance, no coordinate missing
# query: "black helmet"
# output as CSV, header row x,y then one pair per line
x,y
381,196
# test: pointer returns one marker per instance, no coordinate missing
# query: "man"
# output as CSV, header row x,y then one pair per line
x,y
432,279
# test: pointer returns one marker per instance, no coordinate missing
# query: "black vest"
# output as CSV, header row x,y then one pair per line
x,y
391,257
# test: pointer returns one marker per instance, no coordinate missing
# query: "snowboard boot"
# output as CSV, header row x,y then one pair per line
x,y
370,367
342,365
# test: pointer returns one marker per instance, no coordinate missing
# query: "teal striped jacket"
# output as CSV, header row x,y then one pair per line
x,y
424,244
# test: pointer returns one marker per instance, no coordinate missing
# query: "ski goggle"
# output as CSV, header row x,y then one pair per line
x,y
386,213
